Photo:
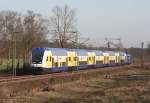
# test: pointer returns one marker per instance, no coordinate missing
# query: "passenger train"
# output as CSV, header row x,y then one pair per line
x,y
64,59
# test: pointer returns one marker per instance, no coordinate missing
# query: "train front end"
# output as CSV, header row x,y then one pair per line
x,y
37,57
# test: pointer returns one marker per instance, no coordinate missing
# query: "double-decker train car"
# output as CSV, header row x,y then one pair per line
x,y
99,58
112,58
82,56
63,59
54,59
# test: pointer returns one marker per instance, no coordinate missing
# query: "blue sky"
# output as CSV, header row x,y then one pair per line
x,y
97,19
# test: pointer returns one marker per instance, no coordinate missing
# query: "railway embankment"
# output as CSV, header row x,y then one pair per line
x,y
10,87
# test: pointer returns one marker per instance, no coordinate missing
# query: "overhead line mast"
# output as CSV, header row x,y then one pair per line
x,y
118,45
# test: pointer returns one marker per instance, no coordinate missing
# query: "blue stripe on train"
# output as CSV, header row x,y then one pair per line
x,y
82,66
112,64
55,69
45,69
99,65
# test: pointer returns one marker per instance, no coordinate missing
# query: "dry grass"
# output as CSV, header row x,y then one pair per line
x,y
95,89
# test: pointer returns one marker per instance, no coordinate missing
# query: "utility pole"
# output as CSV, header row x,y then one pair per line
x,y
76,49
110,41
78,43
108,45
76,46
14,47
76,40
142,54
12,54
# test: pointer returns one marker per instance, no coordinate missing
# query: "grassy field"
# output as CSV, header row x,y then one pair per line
x,y
118,88
6,67
6,64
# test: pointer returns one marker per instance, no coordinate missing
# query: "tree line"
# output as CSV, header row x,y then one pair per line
x,y
19,33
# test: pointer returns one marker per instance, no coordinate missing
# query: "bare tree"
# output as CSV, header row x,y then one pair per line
x,y
9,22
62,24
35,30
19,34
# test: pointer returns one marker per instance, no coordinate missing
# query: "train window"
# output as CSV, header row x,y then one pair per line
x,y
63,63
50,58
94,58
105,59
56,64
69,58
108,58
47,59
75,58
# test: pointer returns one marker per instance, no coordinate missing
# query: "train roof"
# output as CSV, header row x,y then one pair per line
x,y
81,52
98,52
55,51
122,53
58,51
111,53
129,55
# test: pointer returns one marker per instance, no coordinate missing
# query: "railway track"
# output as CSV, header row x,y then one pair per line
x,y
13,79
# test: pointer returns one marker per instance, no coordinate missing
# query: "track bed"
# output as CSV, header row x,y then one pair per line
x,y
13,86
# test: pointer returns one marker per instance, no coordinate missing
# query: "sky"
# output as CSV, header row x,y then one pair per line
x,y
98,19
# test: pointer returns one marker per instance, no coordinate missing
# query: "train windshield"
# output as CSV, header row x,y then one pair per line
x,y
37,56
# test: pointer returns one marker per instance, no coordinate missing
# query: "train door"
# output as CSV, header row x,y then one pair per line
x,y
105,59
102,59
91,58
94,60
117,59
49,60
76,60
126,59
71,59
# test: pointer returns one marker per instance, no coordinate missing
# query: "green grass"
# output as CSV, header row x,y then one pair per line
x,y
6,67
5,63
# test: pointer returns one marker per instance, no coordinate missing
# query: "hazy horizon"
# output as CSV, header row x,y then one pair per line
x,y
98,19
